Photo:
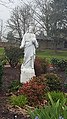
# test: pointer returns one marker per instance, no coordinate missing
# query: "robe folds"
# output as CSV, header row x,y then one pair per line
x,y
29,43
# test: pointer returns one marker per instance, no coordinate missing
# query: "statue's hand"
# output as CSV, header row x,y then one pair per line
x,y
20,47
33,42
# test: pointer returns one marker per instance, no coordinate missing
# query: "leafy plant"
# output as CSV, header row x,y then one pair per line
x,y
66,72
35,90
60,64
57,96
65,85
53,111
1,73
54,61
13,54
15,85
53,81
3,59
20,100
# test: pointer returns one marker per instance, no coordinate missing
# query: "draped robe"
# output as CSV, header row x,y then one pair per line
x,y
29,43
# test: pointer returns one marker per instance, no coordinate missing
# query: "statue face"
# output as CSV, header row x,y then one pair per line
x,y
31,29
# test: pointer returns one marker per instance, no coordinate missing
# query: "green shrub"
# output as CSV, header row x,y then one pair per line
x,y
66,72
53,81
60,64
15,85
20,100
35,90
13,54
57,95
53,111
54,61
65,85
3,59
1,73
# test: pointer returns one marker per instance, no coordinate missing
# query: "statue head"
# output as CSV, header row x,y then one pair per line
x,y
31,29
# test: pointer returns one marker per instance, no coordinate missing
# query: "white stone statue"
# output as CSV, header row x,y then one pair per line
x,y
29,43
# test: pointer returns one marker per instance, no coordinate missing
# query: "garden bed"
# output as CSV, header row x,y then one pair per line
x,y
6,111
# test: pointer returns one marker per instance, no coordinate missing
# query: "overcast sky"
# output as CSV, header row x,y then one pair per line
x,y
7,7
5,10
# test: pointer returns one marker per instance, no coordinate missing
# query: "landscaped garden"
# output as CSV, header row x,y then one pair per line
x,y
44,96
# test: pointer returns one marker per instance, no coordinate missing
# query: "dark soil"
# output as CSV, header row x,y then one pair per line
x,y
10,74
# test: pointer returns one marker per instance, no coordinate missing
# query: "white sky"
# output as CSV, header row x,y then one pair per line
x,y
5,10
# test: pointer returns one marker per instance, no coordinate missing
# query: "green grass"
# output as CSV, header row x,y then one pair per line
x,y
1,51
49,54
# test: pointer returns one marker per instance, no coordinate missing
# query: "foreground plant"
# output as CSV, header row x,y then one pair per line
x,y
54,81
15,85
60,64
20,100
53,111
13,55
35,90
57,95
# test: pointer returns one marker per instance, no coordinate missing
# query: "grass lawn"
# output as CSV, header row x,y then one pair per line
x,y
49,54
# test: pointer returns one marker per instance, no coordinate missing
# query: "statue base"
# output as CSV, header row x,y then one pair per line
x,y
26,74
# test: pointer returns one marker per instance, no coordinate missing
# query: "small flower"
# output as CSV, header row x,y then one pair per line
x,y
36,117
60,117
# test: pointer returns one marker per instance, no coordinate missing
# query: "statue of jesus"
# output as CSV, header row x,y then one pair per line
x,y
29,43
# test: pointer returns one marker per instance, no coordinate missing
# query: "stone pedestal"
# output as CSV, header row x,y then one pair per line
x,y
26,74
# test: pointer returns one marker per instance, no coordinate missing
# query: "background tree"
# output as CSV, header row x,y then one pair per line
x,y
6,3
58,15
44,11
50,16
53,15
58,20
20,20
10,36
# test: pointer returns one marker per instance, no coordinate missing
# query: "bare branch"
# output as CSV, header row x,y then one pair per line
x,y
36,13
6,4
